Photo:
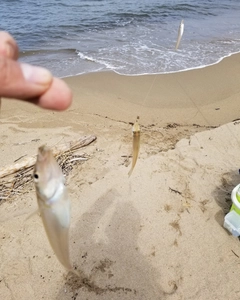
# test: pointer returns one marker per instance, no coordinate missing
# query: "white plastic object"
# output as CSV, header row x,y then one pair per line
x,y
232,223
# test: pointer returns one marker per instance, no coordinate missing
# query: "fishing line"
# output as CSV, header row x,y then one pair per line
x,y
150,89
200,112
143,103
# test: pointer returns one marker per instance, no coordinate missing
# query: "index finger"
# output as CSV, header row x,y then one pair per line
x,y
8,46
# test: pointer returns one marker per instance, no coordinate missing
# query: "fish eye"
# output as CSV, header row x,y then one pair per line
x,y
36,176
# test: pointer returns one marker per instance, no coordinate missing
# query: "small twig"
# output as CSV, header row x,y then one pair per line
x,y
78,158
19,158
175,191
234,253
17,176
63,148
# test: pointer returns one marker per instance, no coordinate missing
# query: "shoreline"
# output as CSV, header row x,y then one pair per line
x,y
159,73
206,96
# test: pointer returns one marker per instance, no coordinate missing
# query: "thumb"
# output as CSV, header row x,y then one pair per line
x,y
22,81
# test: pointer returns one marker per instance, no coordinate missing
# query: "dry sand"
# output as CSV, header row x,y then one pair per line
x,y
156,235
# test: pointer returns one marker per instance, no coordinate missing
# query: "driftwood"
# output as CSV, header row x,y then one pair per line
x,y
15,177
30,161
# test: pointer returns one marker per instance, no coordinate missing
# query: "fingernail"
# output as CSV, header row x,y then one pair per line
x,y
9,51
6,50
36,75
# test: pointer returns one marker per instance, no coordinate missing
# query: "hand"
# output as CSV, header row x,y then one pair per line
x,y
29,83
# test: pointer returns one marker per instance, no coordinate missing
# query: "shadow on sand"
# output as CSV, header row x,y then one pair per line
x,y
110,261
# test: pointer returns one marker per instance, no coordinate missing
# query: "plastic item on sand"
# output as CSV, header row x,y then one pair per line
x,y
232,219
232,223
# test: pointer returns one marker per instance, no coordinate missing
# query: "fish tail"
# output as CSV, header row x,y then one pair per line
x,y
178,42
75,272
136,146
130,172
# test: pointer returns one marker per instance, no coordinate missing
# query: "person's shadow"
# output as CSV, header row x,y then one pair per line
x,y
106,247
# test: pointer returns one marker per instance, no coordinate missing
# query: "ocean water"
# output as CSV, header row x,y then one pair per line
x,y
129,37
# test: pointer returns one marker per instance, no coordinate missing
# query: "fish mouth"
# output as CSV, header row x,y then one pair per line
x,y
42,153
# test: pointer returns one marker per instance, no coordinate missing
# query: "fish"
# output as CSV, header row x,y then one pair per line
x,y
180,34
53,203
136,144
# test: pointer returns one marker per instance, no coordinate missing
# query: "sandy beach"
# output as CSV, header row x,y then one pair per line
x,y
156,235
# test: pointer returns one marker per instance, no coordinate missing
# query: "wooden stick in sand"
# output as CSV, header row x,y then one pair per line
x,y
28,162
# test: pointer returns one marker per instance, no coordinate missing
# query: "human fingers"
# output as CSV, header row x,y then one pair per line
x,y
33,84
57,97
8,46
22,81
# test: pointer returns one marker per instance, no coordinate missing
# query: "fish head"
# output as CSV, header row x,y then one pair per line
x,y
47,174
136,127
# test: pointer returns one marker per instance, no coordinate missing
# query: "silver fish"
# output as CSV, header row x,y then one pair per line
x,y
136,144
54,204
180,34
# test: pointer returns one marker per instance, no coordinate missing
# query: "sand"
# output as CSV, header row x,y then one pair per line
x,y
155,235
